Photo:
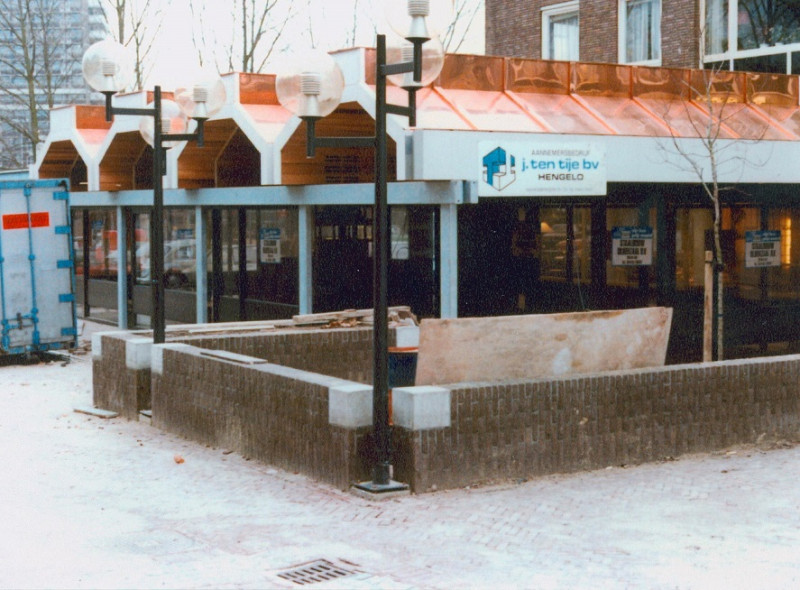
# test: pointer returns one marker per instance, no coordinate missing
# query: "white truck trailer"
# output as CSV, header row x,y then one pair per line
x,y
37,276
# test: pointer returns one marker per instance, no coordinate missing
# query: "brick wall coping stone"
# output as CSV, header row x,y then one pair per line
x,y
424,407
256,364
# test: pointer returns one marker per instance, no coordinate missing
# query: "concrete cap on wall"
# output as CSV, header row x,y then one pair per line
x,y
156,360
422,407
350,405
97,342
137,353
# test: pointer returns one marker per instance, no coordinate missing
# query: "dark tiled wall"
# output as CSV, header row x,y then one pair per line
x,y
521,430
343,353
265,412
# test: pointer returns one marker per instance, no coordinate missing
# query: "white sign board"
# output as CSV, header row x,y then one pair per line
x,y
269,245
762,248
632,246
517,169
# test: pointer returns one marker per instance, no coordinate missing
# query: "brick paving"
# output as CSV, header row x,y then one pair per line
x,y
91,503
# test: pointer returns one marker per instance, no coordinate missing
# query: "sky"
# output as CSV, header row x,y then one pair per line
x,y
325,24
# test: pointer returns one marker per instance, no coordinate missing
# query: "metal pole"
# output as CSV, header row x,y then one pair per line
x,y
157,224
380,236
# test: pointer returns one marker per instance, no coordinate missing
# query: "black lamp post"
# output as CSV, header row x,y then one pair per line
x,y
107,67
304,93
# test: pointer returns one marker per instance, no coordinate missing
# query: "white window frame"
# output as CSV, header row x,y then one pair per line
x,y
733,52
622,36
557,10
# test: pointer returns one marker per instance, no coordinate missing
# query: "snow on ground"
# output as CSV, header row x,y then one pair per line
x,y
92,503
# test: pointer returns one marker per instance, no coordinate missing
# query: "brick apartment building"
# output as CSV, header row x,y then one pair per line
x,y
674,33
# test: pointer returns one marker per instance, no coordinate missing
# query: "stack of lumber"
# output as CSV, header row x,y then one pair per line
x,y
398,316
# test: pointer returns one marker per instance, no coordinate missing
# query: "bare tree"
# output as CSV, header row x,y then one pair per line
x,y
136,24
248,38
715,91
37,60
464,14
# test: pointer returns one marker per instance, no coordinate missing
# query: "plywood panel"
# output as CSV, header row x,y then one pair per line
x,y
537,346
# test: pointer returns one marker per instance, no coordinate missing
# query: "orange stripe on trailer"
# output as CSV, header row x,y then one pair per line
x,y
21,221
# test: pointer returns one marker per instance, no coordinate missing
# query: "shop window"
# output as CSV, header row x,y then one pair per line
x,y
691,226
273,275
738,221
632,257
561,32
640,31
180,266
783,282
103,258
565,244
342,267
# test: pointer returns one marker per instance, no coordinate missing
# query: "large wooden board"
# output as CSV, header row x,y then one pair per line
x,y
534,346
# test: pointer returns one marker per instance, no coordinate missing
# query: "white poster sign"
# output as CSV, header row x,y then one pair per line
x,y
270,245
517,169
762,249
632,246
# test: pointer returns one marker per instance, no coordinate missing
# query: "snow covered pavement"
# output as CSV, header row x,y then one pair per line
x,y
93,503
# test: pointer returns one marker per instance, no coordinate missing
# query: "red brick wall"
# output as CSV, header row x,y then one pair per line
x,y
115,387
503,432
680,33
513,29
343,353
498,432
276,415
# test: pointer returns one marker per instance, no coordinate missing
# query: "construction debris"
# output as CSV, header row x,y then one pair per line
x,y
349,318
400,315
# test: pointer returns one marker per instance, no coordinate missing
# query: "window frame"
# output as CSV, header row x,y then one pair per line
x,y
561,10
622,35
732,52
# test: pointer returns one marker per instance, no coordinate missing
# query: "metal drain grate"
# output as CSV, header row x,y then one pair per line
x,y
315,572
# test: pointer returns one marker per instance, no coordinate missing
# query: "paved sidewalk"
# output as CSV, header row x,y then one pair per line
x,y
91,503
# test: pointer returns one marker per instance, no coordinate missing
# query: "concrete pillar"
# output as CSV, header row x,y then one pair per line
x,y
122,269
448,239
201,268
305,231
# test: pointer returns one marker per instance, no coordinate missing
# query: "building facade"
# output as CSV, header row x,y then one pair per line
x,y
40,67
527,186
742,35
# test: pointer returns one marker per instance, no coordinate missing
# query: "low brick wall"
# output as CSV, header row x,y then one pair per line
x,y
268,412
444,436
526,429
120,380
121,360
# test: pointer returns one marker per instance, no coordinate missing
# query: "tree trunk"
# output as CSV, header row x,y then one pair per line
x,y
720,330
708,308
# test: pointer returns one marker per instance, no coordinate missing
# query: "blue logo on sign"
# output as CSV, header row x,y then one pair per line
x,y
499,169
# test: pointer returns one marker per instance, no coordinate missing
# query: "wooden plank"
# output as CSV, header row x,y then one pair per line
x,y
364,315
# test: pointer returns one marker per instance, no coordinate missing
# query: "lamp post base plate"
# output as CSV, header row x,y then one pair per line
x,y
375,491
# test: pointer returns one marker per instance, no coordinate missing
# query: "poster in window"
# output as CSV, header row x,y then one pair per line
x,y
762,249
269,245
632,246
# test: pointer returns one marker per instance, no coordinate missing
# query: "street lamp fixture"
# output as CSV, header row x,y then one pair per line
x,y
108,68
312,90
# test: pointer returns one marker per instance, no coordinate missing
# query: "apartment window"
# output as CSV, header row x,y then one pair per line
x,y
760,35
716,27
560,32
766,24
640,31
